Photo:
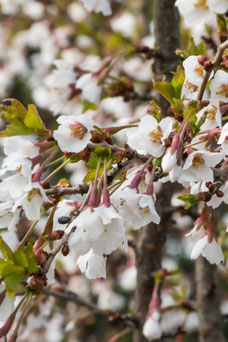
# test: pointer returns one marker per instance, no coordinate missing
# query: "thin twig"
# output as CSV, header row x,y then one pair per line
x,y
215,63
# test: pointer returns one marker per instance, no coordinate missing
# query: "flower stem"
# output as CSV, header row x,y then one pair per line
x,y
55,171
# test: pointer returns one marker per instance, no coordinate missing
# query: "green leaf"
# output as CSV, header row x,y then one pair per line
x,y
190,200
6,251
13,276
177,81
171,90
99,155
21,121
222,23
3,263
193,50
102,153
20,258
32,118
155,110
88,105
32,264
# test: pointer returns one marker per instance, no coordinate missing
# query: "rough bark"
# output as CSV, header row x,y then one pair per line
x,y
167,40
152,237
207,297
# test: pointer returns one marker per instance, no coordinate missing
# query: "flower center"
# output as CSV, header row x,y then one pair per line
x,y
156,135
198,160
78,130
223,90
200,4
32,193
199,69
211,113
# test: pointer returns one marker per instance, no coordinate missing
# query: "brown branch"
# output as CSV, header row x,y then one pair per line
x,y
214,64
113,316
208,308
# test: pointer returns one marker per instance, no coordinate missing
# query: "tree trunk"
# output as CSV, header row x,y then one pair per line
x,y
207,297
152,237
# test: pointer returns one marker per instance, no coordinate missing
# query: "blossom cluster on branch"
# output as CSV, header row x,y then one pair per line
x,y
124,163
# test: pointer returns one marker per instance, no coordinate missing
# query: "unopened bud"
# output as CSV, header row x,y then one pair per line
x,y
208,184
219,193
56,235
67,154
65,250
211,187
41,256
202,59
208,65
204,196
38,282
64,219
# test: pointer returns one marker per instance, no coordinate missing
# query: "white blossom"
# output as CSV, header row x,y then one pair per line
x,y
73,133
152,328
209,249
97,6
149,136
93,265
219,86
91,91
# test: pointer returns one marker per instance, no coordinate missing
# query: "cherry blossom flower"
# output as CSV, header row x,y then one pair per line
x,y
152,328
100,229
93,265
219,86
9,219
194,11
73,134
32,200
91,91
136,209
102,6
198,166
212,116
149,136
209,248
223,139
193,70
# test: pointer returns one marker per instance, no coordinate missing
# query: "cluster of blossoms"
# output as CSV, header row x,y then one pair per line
x,y
125,165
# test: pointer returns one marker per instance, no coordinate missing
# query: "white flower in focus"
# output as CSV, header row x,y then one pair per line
x,y
198,166
19,159
212,116
149,136
169,160
8,219
152,328
64,209
32,200
97,6
73,134
210,250
223,139
194,71
91,91
194,11
197,232
93,265
136,209
100,229
219,86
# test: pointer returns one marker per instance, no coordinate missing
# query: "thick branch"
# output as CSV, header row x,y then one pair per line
x,y
152,237
210,320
